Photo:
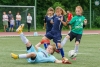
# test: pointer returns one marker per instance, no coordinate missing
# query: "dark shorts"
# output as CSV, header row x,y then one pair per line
x,y
56,36
76,36
11,26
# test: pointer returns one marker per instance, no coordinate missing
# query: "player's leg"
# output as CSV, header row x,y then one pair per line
x,y
57,40
45,41
61,52
77,42
31,55
47,38
28,44
65,39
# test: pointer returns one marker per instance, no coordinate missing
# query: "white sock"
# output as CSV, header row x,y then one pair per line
x,y
76,48
23,38
22,55
64,41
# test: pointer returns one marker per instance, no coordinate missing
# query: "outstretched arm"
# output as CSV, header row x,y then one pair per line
x,y
37,45
62,61
58,61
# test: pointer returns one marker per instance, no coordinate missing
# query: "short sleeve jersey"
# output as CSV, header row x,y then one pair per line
x,y
43,56
57,26
47,21
77,24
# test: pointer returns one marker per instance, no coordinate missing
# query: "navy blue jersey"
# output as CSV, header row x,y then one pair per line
x,y
57,26
48,24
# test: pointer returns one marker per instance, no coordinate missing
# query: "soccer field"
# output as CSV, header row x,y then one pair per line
x,y
88,56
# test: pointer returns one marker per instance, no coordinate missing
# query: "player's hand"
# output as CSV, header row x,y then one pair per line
x,y
51,21
66,62
85,21
61,19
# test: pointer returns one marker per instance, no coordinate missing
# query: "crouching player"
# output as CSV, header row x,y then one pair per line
x,y
34,56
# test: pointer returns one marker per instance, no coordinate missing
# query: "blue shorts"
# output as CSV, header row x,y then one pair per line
x,y
56,36
11,26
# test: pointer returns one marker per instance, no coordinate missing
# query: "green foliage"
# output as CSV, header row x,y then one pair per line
x,y
97,22
58,4
43,5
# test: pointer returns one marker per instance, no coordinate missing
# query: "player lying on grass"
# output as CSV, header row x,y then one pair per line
x,y
39,56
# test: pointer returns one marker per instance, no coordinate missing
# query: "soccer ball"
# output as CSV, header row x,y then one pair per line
x,y
72,54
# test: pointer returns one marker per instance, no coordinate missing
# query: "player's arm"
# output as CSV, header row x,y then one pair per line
x,y
61,61
85,23
37,45
44,27
58,61
62,21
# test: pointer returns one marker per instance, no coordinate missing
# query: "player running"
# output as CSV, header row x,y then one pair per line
x,y
55,32
77,23
48,24
34,56
49,19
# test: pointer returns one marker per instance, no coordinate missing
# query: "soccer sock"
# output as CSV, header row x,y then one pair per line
x,y
64,41
22,55
45,45
29,47
62,52
76,48
23,38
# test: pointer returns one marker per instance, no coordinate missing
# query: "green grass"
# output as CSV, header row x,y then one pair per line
x,y
89,52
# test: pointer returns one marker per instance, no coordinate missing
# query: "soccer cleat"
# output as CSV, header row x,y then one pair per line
x,y
14,56
20,28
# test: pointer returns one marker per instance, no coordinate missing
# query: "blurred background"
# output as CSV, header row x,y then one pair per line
x,y
91,10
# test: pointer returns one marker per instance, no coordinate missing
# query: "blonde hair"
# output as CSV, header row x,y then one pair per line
x,y
53,47
79,7
50,9
63,11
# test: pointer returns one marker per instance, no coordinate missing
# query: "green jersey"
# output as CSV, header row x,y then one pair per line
x,y
77,24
